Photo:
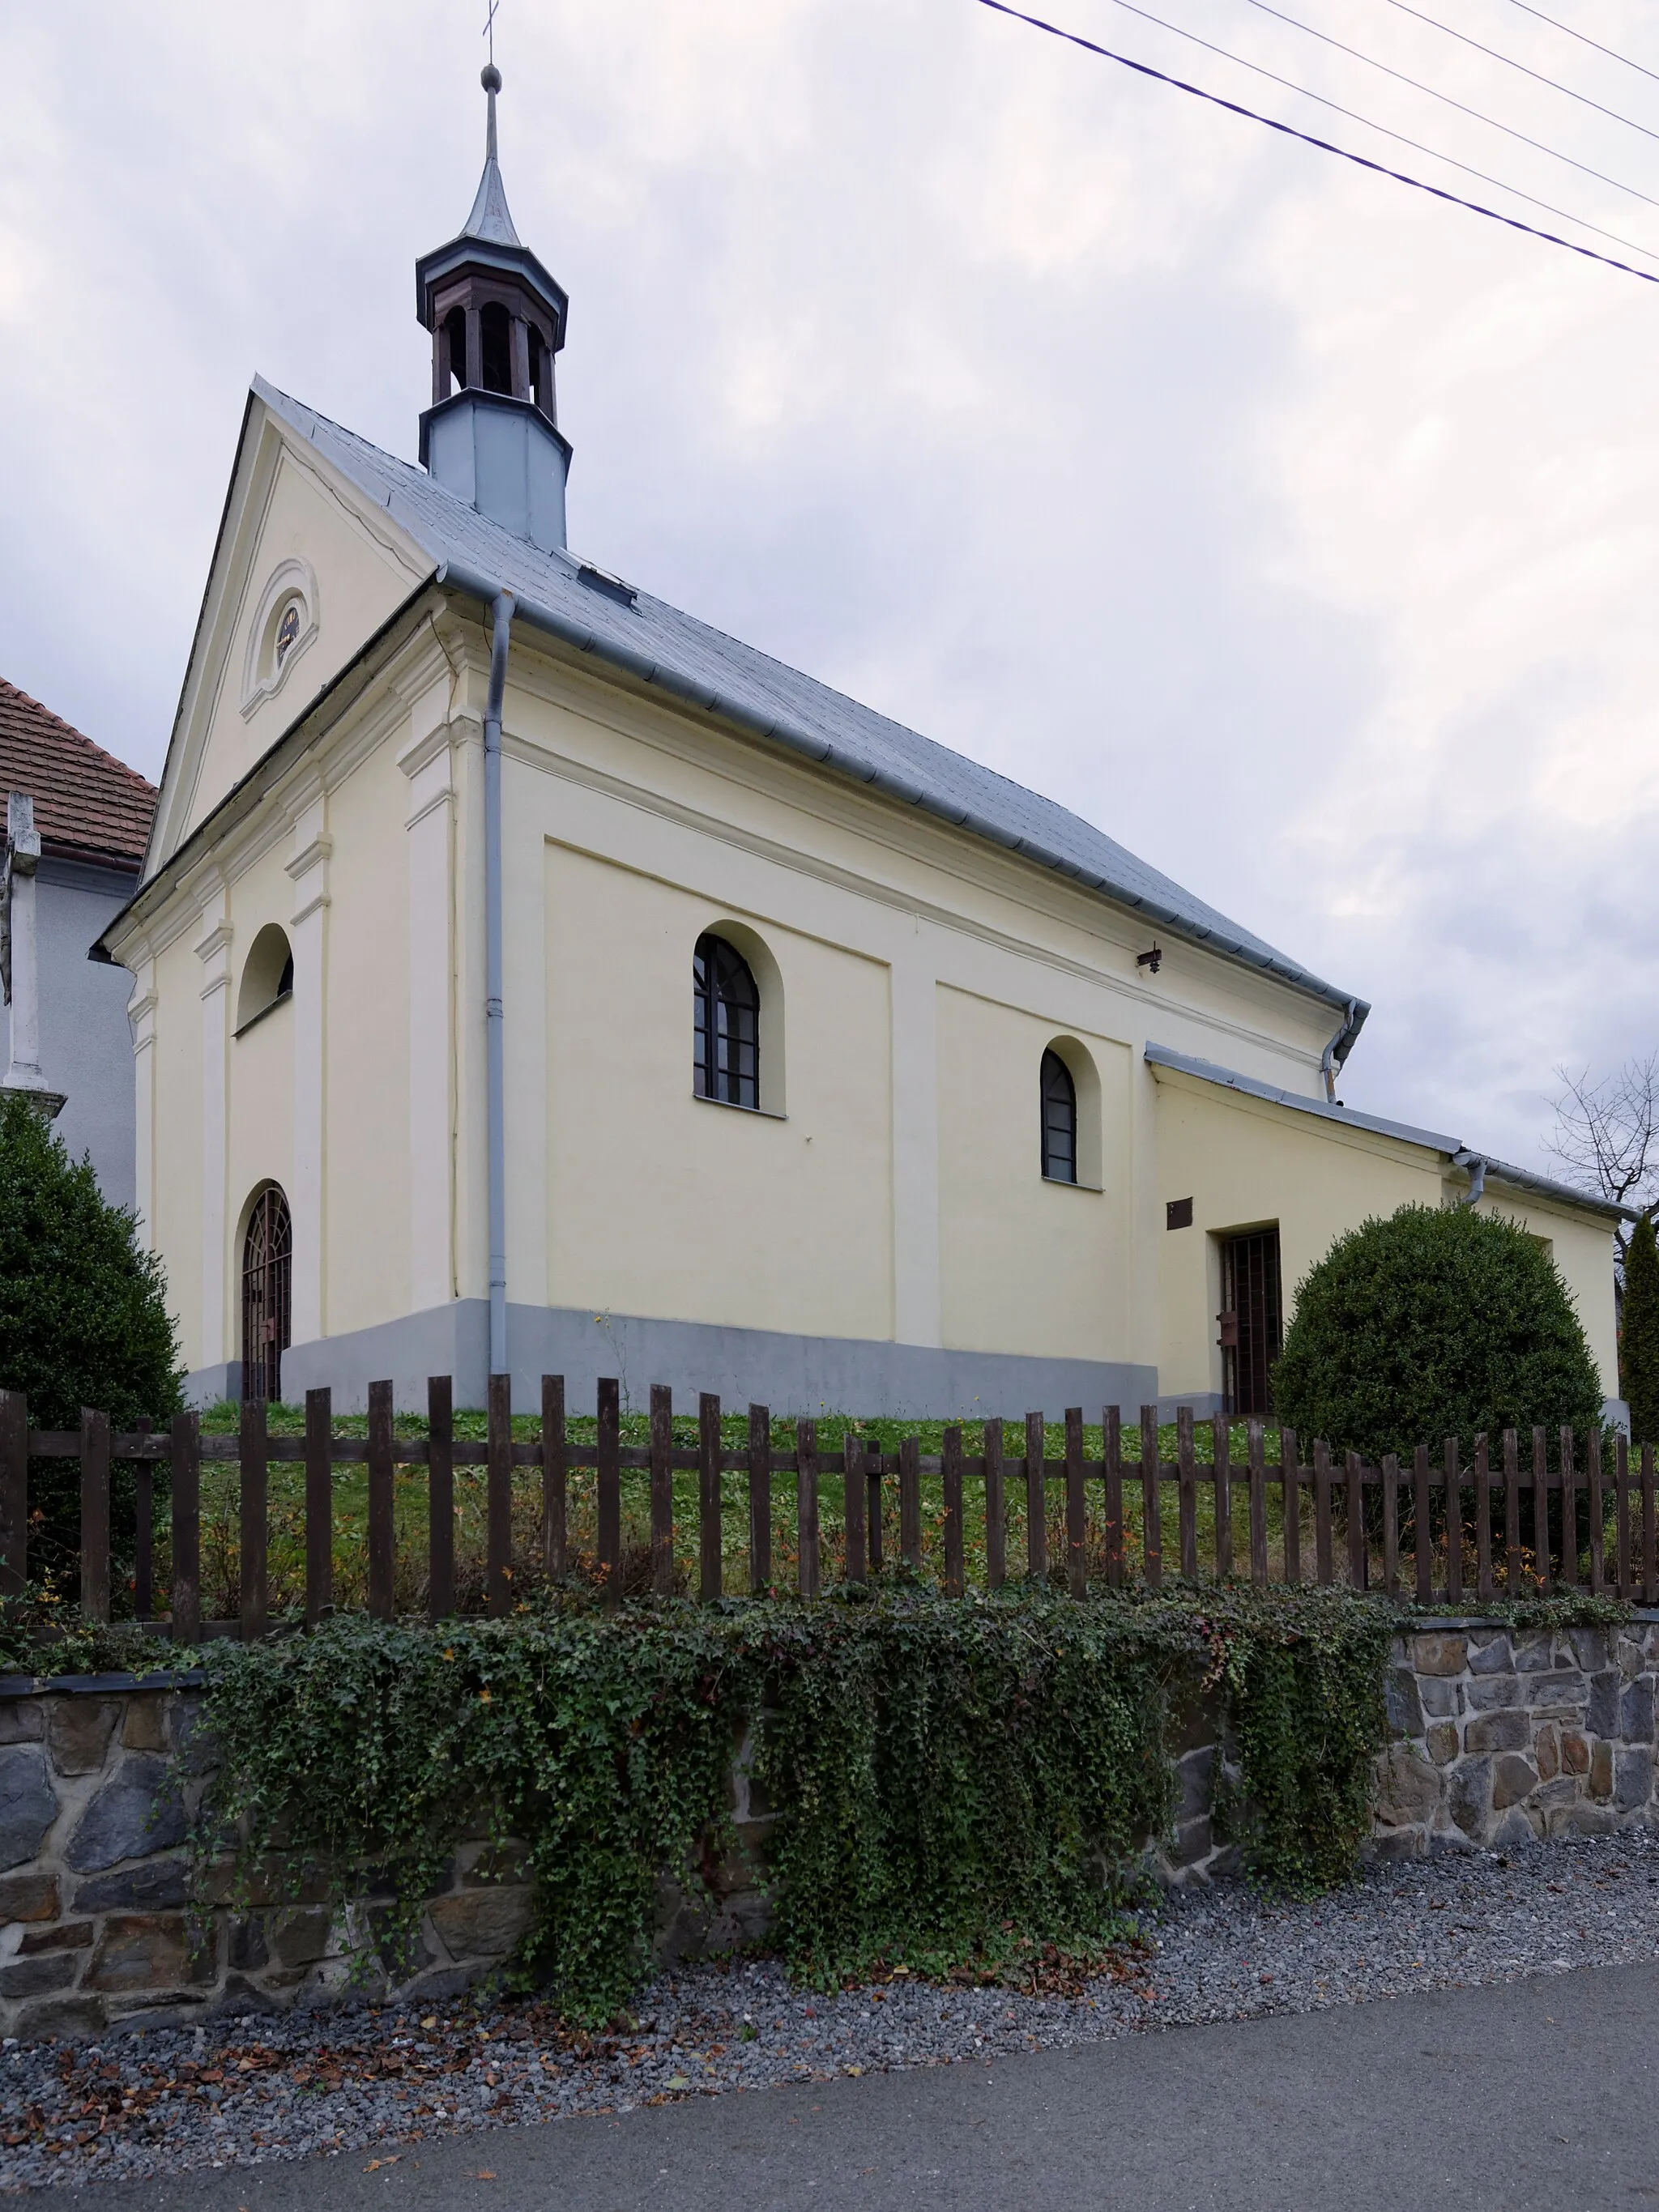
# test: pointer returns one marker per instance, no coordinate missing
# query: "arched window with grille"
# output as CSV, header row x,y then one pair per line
x,y
267,1276
725,1024
1058,1120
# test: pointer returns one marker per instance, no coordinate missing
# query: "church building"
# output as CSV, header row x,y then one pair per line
x,y
528,978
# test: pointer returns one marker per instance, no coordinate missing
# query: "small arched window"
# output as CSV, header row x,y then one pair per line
x,y
455,329
495,348
726,1015
1058,1120
267,1277
267,975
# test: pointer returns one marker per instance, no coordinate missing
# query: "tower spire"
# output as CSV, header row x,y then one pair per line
x,y
490,218
497,320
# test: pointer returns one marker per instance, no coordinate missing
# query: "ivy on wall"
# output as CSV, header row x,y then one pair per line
x,y
951,1781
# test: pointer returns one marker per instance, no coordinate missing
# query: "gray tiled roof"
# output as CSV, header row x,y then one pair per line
x,y
1433,1140
659,644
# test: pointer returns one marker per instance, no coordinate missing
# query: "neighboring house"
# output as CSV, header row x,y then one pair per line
x,y
91,817
650,1008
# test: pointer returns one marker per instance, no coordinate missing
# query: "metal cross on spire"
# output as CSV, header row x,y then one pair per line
x,y
489,30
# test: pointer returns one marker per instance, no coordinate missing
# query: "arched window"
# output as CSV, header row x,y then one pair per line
x,y
496,347
267,1274
726,1047
455,329
267,975
1058,1120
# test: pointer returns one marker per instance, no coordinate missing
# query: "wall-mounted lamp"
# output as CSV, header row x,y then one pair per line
x,y
1154,959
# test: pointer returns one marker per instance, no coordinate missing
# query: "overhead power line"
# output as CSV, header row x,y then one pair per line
x,y
1584,39
1509,61
1324,145
1353,116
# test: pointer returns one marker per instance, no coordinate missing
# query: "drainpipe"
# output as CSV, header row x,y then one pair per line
x,y
1328,1058
500,613
1476,1170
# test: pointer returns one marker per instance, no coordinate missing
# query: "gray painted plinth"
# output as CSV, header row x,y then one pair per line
x,y
790,1374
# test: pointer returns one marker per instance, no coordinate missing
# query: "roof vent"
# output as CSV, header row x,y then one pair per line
x,y
599,580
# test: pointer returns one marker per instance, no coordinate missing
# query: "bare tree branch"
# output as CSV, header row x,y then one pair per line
x,y
1607,1136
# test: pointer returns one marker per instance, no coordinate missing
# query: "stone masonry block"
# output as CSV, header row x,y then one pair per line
x,y
1407,1787
145,1728
1600,1771
1490,1654
1489,1693
1636,1711
302,1937
481,1923
1468,1797
1513,1779
1563,1689
1193,1776
28,1805
1589,1647
62,1935
78,1732
1575,1754
134,1815
1404,1706
68,2017
1535,1653
1602,1714
147,1951
22,1720
1546,1750
149,1888
1442,1742
1510,1731
1440,1654
1632,1777
35,1978
32,1896
1441,1700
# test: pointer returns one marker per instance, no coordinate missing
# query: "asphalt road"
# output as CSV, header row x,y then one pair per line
x,y
1539,2094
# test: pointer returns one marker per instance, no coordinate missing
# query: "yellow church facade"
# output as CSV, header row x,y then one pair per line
x,y
528,978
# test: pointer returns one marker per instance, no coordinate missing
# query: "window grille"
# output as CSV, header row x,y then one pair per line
x,y
726,1014
1058,1120
267,1278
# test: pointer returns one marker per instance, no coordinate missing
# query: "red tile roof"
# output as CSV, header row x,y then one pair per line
x,y
88,804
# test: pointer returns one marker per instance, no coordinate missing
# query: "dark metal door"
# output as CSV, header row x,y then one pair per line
x,y
267,1270
1250,1327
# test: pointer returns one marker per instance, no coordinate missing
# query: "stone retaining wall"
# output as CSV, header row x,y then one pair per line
x,y
1504,1736
1498,1737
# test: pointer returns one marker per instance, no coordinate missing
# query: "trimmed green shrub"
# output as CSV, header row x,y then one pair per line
x,y
83,1317
1433,1323
1638,1344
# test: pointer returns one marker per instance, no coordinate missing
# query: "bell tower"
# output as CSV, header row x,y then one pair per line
x,y
497,320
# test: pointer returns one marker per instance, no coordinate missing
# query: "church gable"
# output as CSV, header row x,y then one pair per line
x,y
306,571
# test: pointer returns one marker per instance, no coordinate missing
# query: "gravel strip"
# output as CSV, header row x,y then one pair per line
x,y
373,2083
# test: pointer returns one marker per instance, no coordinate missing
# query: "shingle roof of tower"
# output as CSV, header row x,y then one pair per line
x,y
489,219
658,644
88,804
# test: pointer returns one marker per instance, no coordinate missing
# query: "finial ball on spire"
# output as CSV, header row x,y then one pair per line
x,y
490,77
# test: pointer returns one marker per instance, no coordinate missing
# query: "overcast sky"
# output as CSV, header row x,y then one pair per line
x,y
1297,529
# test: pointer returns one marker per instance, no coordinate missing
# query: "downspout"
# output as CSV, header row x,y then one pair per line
x,y
1334,1052
501,613
1475,1167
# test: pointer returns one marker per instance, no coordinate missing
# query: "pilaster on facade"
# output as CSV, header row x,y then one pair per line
x,y
212,948
914,1047
427,760
141,1020
308,871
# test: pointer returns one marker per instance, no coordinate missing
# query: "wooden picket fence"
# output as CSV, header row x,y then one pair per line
x,y
1448,1506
